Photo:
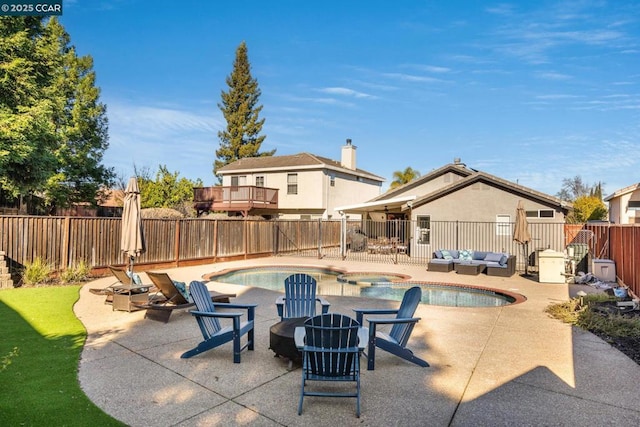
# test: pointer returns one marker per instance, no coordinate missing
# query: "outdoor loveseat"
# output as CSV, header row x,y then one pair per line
x,y
497,263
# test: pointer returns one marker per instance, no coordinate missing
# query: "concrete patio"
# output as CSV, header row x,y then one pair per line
x,y
511,365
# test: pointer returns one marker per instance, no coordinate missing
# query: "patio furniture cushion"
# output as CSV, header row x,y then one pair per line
x,y
441,261
182,288
466,255
447,255
493,257
480,255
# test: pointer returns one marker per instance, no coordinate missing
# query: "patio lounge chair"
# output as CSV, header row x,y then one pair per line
x,y
331,345
213,333
170,297
395,342
300,298
122,278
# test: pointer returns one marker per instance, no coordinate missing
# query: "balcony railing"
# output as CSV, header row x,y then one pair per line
x,y
241,198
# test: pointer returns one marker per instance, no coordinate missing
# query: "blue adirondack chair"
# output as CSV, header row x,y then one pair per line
x,y
214,334
331,345
395,342
300,298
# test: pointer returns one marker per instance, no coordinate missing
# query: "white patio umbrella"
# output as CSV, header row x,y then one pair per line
x,y
132,238
521,232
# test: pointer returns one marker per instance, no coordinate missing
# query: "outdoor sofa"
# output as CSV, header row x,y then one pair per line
x,y
497,263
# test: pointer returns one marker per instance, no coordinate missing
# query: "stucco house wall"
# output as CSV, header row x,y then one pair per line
x,y
624,205
316,196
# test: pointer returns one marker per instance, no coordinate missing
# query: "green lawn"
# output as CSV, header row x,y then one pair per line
x,y
40,345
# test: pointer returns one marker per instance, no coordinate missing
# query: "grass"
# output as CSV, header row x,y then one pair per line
x,y
40,345
580,312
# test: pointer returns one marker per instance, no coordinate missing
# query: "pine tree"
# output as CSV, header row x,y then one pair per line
x,y
240,108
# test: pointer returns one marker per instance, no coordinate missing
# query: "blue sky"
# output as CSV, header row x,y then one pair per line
x,y
530,91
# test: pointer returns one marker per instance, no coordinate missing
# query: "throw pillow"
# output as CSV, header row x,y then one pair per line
x,y
503,259
446,255
438,254
182,288
466,255
493,257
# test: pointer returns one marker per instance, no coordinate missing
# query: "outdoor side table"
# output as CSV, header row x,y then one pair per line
x,y
281,338
125,297
469,268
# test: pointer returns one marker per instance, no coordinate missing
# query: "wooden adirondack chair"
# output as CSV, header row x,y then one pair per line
x,y
331,345
395,342
300,298
214,334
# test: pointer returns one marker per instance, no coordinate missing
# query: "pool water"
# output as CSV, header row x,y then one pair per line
x,y
381,286
272,278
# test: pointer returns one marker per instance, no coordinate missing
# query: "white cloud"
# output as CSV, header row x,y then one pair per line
x,y
557,96
148,135
553,76
345,91
412,78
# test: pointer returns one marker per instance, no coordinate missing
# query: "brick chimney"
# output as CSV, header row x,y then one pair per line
x,y
348,159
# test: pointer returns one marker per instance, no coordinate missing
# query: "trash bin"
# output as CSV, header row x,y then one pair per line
x,y
551,269
604,269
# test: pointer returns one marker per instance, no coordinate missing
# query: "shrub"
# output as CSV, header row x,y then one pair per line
x,y
75,273
36,273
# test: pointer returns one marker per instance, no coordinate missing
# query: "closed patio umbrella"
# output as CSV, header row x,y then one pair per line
x,y
521,232
132,239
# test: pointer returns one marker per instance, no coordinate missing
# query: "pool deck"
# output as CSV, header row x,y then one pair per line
x,y
510,365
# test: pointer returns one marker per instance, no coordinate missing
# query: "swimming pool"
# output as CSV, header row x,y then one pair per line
x,y
389,286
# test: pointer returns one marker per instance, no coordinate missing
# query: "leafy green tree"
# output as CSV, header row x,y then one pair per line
x,y
403,177
53,129
28,137
167,190
240,108
587,208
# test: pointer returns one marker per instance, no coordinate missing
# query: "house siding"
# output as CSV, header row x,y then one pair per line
x,y
481,202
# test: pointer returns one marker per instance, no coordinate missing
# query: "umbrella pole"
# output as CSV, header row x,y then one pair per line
x,y
525,247
131,269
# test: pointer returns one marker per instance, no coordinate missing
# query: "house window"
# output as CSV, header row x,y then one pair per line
x,y
634,204
332,181
238,180
292,183
260,181
424,229
503,225
542,213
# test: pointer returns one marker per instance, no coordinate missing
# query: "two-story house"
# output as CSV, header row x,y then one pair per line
x,y
298,186
624,205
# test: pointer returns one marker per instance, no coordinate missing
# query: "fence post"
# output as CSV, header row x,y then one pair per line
x,y
276,237
176,246
319,238
245,231
343,236
66,244
215,240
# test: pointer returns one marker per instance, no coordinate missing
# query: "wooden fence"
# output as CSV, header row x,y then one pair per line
x,y
65,241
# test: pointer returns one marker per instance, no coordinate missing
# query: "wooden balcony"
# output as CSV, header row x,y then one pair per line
x,y
242,198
